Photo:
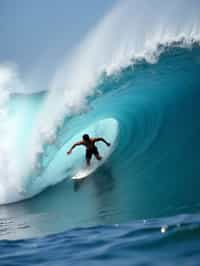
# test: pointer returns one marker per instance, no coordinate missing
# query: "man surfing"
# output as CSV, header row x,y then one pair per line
x,y
91,149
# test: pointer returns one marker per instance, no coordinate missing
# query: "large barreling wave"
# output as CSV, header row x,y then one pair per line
x,y
134,79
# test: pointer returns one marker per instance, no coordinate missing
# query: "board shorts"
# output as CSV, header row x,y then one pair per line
x,y
90,152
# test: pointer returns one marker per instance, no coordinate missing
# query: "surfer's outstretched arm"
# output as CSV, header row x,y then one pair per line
x,y
73,146
101,139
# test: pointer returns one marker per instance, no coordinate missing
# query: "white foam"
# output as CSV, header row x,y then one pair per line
x,y
9,177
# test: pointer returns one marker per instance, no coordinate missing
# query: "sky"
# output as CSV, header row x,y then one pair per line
x,y
35,33
38,35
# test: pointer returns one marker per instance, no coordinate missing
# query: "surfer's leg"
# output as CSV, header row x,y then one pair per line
x,y
88,161
97,155
88,157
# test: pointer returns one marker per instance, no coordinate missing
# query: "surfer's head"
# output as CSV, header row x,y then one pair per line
x,y
86,137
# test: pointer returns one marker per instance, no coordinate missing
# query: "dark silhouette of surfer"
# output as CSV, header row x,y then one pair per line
x,y
91,149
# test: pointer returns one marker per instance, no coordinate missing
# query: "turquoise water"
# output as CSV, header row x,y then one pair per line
x,y
153,170
141,207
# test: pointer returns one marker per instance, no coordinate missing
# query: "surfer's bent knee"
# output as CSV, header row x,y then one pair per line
x,y
98,157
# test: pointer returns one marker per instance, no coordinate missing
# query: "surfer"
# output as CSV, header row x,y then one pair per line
x,y
91,149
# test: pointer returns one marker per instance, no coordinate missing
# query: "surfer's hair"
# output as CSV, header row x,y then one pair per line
x,y
86,137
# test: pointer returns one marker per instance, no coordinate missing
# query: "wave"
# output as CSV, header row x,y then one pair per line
x,y
102,51
136,98
121,48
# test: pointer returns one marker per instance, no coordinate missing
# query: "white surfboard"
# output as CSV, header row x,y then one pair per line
x,y
84,173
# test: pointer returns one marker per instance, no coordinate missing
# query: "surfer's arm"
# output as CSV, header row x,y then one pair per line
x,y
101,139
73,146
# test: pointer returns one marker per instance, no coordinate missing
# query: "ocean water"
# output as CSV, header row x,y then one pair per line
x,y
141,207
168,241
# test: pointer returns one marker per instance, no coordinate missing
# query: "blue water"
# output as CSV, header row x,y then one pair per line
x,y
168,241
141,207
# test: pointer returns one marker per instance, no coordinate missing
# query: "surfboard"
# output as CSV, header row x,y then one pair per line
x,y
86,171
83,173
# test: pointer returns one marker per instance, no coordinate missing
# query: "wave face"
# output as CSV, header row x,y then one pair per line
x,y
148,85
151,113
